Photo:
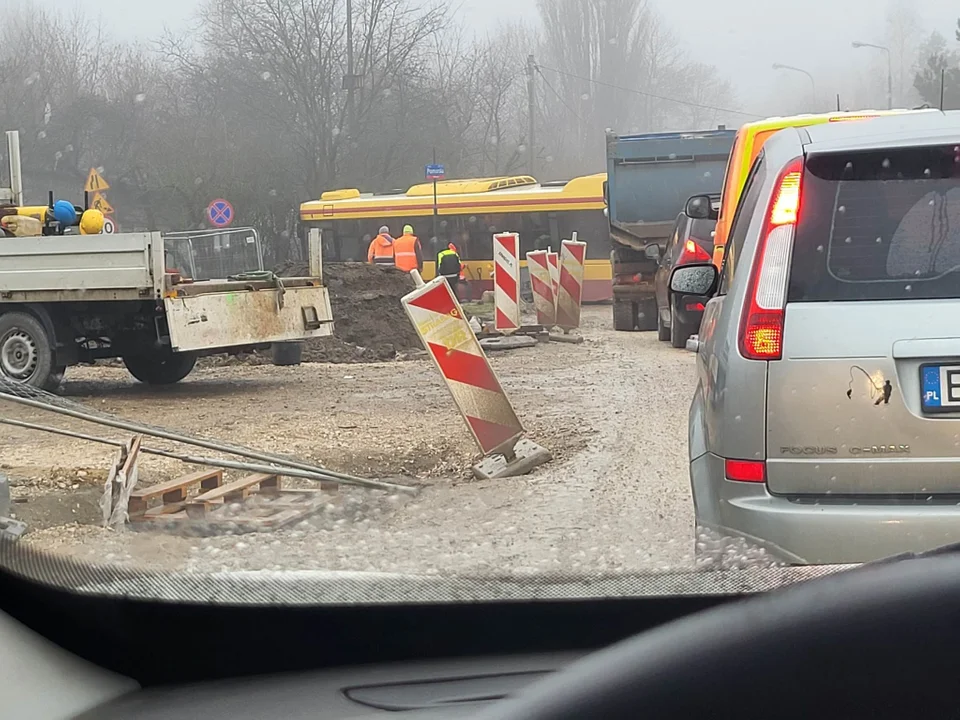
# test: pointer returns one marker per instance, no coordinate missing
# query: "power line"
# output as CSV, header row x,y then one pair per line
x,y
559,96
651,95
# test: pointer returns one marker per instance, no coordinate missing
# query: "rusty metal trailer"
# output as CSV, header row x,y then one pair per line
x,y
73,299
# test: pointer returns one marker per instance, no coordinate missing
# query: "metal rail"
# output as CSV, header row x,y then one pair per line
x,y
194,460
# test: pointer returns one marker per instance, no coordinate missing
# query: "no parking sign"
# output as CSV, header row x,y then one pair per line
x,y
220,213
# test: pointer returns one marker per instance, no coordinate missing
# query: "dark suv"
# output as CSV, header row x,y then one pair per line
x,y
678,317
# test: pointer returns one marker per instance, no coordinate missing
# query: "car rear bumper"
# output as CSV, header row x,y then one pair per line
x,y
816,533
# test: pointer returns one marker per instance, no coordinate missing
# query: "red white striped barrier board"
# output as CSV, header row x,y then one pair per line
x,y
572,257
438,318
506,282
542,285
554,261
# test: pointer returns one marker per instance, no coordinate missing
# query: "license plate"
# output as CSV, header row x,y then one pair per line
x,y
940,388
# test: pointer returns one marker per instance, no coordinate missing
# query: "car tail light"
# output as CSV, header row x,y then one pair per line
x,y
761,328
754,471
692,253
695,307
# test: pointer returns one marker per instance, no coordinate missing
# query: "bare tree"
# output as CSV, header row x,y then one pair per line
x,y
903,37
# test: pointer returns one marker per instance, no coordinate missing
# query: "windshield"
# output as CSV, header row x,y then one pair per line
x,y
386,289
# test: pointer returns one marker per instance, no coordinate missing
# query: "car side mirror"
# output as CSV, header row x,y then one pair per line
x,y
652,252
699,280
700,207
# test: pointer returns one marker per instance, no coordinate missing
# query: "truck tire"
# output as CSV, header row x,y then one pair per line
x,y
26,351
623,317
647,315
287,353
161,368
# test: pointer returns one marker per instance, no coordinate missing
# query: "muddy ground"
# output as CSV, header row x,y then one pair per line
x,y
612,411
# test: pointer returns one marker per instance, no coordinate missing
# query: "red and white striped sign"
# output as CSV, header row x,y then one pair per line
x,y
554,260
506,282
438,319
542,285
572,257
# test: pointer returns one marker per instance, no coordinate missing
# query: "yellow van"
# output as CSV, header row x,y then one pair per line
x,y
747,145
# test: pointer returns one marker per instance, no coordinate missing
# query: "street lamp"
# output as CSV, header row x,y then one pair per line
x,y
813,83
857,45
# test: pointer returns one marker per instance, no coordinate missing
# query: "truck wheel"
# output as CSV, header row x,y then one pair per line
x,y
26,351
647,315
663,332
623,318
160,369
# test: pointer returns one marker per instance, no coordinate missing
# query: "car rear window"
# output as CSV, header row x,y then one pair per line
x,y
879,225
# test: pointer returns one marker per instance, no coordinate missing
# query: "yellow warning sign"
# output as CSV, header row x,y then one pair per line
x,y
95,182
100,203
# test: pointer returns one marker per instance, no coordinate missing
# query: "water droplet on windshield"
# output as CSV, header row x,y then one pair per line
x,y
848,240
820,248
927,173
908,288
139,97
886,162
849,166
198,181
879,240
842,209
265,75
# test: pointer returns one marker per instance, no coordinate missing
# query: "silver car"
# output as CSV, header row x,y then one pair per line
x,y
825,426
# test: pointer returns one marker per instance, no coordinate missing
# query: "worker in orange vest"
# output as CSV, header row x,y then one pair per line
x,y
408,255
381,250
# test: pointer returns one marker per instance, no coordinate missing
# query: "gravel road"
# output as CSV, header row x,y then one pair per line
x,y
616,497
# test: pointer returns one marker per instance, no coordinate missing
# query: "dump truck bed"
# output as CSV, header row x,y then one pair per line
x,y
651,176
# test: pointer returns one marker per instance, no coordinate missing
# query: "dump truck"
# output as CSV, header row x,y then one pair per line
x,y
650,177
68,298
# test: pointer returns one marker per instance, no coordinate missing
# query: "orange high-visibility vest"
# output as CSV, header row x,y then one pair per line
x,y
405,252
381,251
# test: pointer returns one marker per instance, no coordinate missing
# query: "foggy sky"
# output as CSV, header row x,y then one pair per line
x,y
741,37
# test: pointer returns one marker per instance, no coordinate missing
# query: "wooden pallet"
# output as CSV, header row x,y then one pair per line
x,y
255,503
236,491
172,494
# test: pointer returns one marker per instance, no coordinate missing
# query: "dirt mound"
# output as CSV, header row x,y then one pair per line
x,y
369,322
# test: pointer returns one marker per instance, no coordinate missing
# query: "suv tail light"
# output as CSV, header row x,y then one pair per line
x,y
692,253
761,327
